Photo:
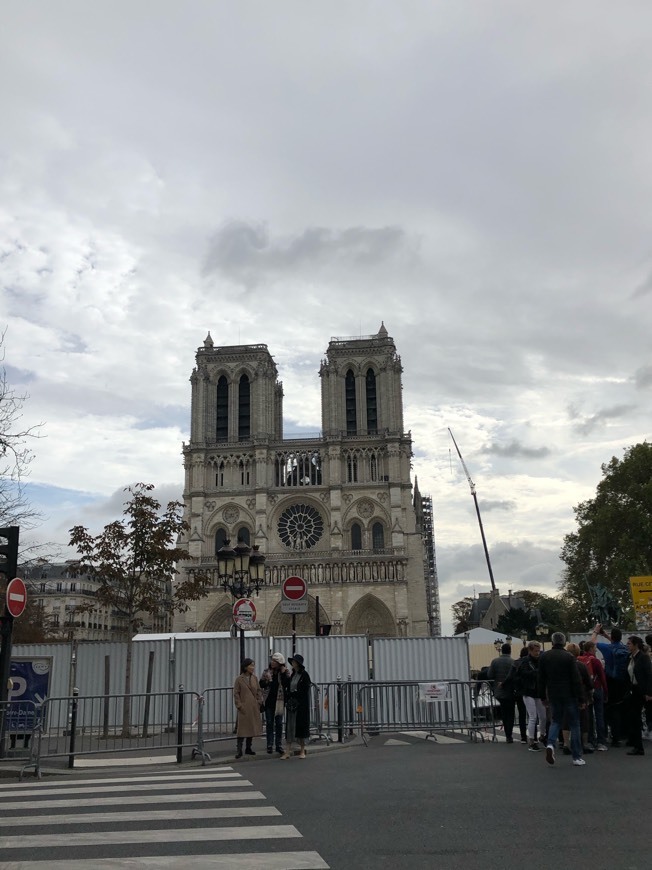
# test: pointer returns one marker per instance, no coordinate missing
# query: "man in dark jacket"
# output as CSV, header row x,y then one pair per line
x,y
559,682
499,670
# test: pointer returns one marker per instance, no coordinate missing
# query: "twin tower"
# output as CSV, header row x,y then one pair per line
x,y
337,509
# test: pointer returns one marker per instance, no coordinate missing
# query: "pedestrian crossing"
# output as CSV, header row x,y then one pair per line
x,y
210,817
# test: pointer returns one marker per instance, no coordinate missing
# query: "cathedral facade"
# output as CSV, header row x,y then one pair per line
x,y
337,510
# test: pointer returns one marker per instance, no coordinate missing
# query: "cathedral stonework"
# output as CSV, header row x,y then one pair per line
x,y
336,510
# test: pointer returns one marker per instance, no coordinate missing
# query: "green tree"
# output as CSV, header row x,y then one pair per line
x,y
461,611
613,541
134,561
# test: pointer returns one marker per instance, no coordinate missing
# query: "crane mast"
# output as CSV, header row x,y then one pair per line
x,y
477,510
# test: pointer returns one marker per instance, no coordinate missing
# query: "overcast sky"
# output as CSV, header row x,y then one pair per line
x,y
476,175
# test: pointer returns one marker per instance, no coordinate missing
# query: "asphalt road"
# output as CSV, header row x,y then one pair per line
x,y
402,803
476,807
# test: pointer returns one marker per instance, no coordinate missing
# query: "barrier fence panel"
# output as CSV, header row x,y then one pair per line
x,y
420,658
434,707
203,662
84,725
327,658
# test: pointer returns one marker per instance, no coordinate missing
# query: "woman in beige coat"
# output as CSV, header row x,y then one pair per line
x,y
247,698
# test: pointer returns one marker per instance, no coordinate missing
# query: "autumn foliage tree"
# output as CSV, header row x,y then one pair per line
x,y
613,541
134,562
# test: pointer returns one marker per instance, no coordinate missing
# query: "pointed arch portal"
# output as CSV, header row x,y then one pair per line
x,y
370,615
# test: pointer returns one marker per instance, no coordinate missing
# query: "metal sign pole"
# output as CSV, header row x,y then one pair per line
x,y
294,633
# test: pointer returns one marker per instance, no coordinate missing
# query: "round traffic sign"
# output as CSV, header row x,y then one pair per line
x,y
16,596
244,613
294,588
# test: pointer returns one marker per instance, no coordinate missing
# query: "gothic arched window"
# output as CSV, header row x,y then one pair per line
x,y
243,534
377,536
244,409
372,407
220,539
351,415
356,536
222,421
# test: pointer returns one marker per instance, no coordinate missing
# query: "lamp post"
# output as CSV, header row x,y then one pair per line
x,y
241,571
524,637
542,631
498,644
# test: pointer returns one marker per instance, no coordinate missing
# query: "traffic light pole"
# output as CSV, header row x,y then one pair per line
x,y
8,567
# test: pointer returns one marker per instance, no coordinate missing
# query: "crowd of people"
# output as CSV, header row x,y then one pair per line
x,y
584,697
280,694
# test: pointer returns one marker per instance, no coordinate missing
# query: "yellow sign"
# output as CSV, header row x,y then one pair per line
x,y
642,597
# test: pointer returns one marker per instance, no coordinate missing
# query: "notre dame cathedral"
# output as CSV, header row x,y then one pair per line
x,y
338,510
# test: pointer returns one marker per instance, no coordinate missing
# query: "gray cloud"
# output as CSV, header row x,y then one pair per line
x,y
246,252
515,449
498,505
585,424
643,377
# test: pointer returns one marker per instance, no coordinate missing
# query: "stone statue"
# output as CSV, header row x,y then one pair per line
x,y
604,608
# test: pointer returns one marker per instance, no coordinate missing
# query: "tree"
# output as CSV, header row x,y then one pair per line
x,y
15,455
133,560
613,541
461,611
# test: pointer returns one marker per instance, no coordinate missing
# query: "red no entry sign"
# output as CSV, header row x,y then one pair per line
x,y
244,613
294,588
16,596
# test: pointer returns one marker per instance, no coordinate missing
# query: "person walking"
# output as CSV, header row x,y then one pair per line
x,y
600,693
615,657
639,680
586,685
247,699
271,682
499,670
526,683
559,682
297,707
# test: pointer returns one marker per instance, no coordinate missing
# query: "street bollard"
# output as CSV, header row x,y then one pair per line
x,y
180,726
73,728
340,712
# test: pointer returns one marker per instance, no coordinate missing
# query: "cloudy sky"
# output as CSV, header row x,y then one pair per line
x,y
476,175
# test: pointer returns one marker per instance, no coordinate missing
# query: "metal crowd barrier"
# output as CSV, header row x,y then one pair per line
x,y
106,724
22,721
434,707
77,725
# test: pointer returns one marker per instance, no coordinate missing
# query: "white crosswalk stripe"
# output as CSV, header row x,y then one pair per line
x,y
212,819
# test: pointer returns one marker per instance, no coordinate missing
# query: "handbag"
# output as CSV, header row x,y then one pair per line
x,y
292,704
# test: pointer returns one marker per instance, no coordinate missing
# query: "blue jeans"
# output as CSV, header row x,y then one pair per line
x,y
274,728
566,709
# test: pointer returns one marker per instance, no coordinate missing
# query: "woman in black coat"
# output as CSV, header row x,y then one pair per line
x,y
639,681
297,707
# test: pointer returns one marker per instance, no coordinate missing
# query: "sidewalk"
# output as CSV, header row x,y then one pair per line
x,y
220,754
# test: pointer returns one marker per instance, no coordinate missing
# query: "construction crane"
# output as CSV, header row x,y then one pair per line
x,y
477,510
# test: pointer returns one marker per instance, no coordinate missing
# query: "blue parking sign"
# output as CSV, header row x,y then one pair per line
x,y
31,683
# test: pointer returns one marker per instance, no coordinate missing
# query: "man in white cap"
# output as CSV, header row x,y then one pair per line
x,y
271,682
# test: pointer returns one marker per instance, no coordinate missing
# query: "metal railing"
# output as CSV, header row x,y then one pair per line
x,y
74,726
433,707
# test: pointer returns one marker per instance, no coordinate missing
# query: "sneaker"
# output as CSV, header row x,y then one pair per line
x,y
550,754
534,747
602,748
269,750
579,762
509,740
523,739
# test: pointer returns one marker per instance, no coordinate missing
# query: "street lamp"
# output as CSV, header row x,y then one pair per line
x,y
498,644
524,637
241,571
542,631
